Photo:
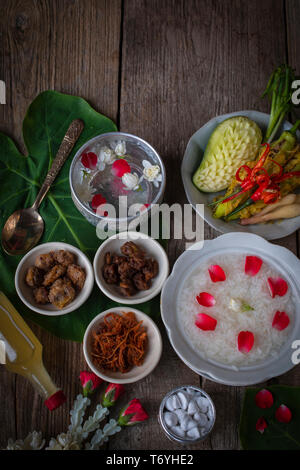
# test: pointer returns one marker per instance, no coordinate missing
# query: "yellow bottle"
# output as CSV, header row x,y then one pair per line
x,y
23,353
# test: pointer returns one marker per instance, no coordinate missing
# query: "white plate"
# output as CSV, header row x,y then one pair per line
x,y
153,352
25,292
191,160
283,260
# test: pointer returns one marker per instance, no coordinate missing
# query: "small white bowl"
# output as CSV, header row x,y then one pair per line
x,y
152,356
152,249
25,292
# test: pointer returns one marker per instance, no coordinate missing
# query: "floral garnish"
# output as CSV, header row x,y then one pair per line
x,y
264,399
261,425
238,305
283,414
120,149
89,382
133,413
206,322
112,393
131,181
89,160
205,299
245,341
277,287
252,265
34,441
280,321
152,173
107,155
98,201
216,273
120,167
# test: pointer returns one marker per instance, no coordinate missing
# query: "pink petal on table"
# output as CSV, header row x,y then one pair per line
x,y
280,321
245,341
252,265
277,286
216,273
264,399
89,160
261,425
205,322
120,167
205,299
283,414
97,201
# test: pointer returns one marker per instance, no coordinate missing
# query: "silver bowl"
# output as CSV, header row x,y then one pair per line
x,y
137,150
169,433
191,160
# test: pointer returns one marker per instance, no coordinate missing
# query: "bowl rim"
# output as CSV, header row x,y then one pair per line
x,y
125,134
139,376
70,308
213,370
231,227
148,296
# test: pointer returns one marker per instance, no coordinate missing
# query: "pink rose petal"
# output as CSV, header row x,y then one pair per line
x,y
252,265
97,201
205,299
283,414
280,321
264,399
216,273
245,341
120,167
205,322
277,287
89,160
261,425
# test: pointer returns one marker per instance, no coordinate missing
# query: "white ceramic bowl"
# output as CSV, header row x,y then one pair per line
x,y
191,160
152,249
283,260
25,292
152,356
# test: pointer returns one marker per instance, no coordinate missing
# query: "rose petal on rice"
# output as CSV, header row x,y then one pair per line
x,y
261,425
264,399
205,299
216,273
245,341
252,265
205,322
283,414
277,287
280,321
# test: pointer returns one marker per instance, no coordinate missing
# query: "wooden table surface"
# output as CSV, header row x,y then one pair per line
x,y
160,69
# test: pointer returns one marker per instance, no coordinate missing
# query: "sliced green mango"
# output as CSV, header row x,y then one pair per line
x,y
233,143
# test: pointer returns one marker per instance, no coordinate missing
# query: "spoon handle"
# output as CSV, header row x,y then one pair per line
x,y
69,140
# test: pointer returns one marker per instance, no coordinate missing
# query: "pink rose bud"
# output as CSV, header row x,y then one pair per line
x,y
89,382
112,393
133,413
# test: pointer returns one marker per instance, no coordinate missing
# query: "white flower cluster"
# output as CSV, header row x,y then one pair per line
x,y
78,431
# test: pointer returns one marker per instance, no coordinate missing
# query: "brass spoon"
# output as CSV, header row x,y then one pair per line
x,y
24,228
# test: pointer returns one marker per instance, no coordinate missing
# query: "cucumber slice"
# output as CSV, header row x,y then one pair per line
x,y
233,143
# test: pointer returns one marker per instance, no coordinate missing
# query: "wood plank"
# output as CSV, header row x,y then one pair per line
x,y
184,63
72,47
